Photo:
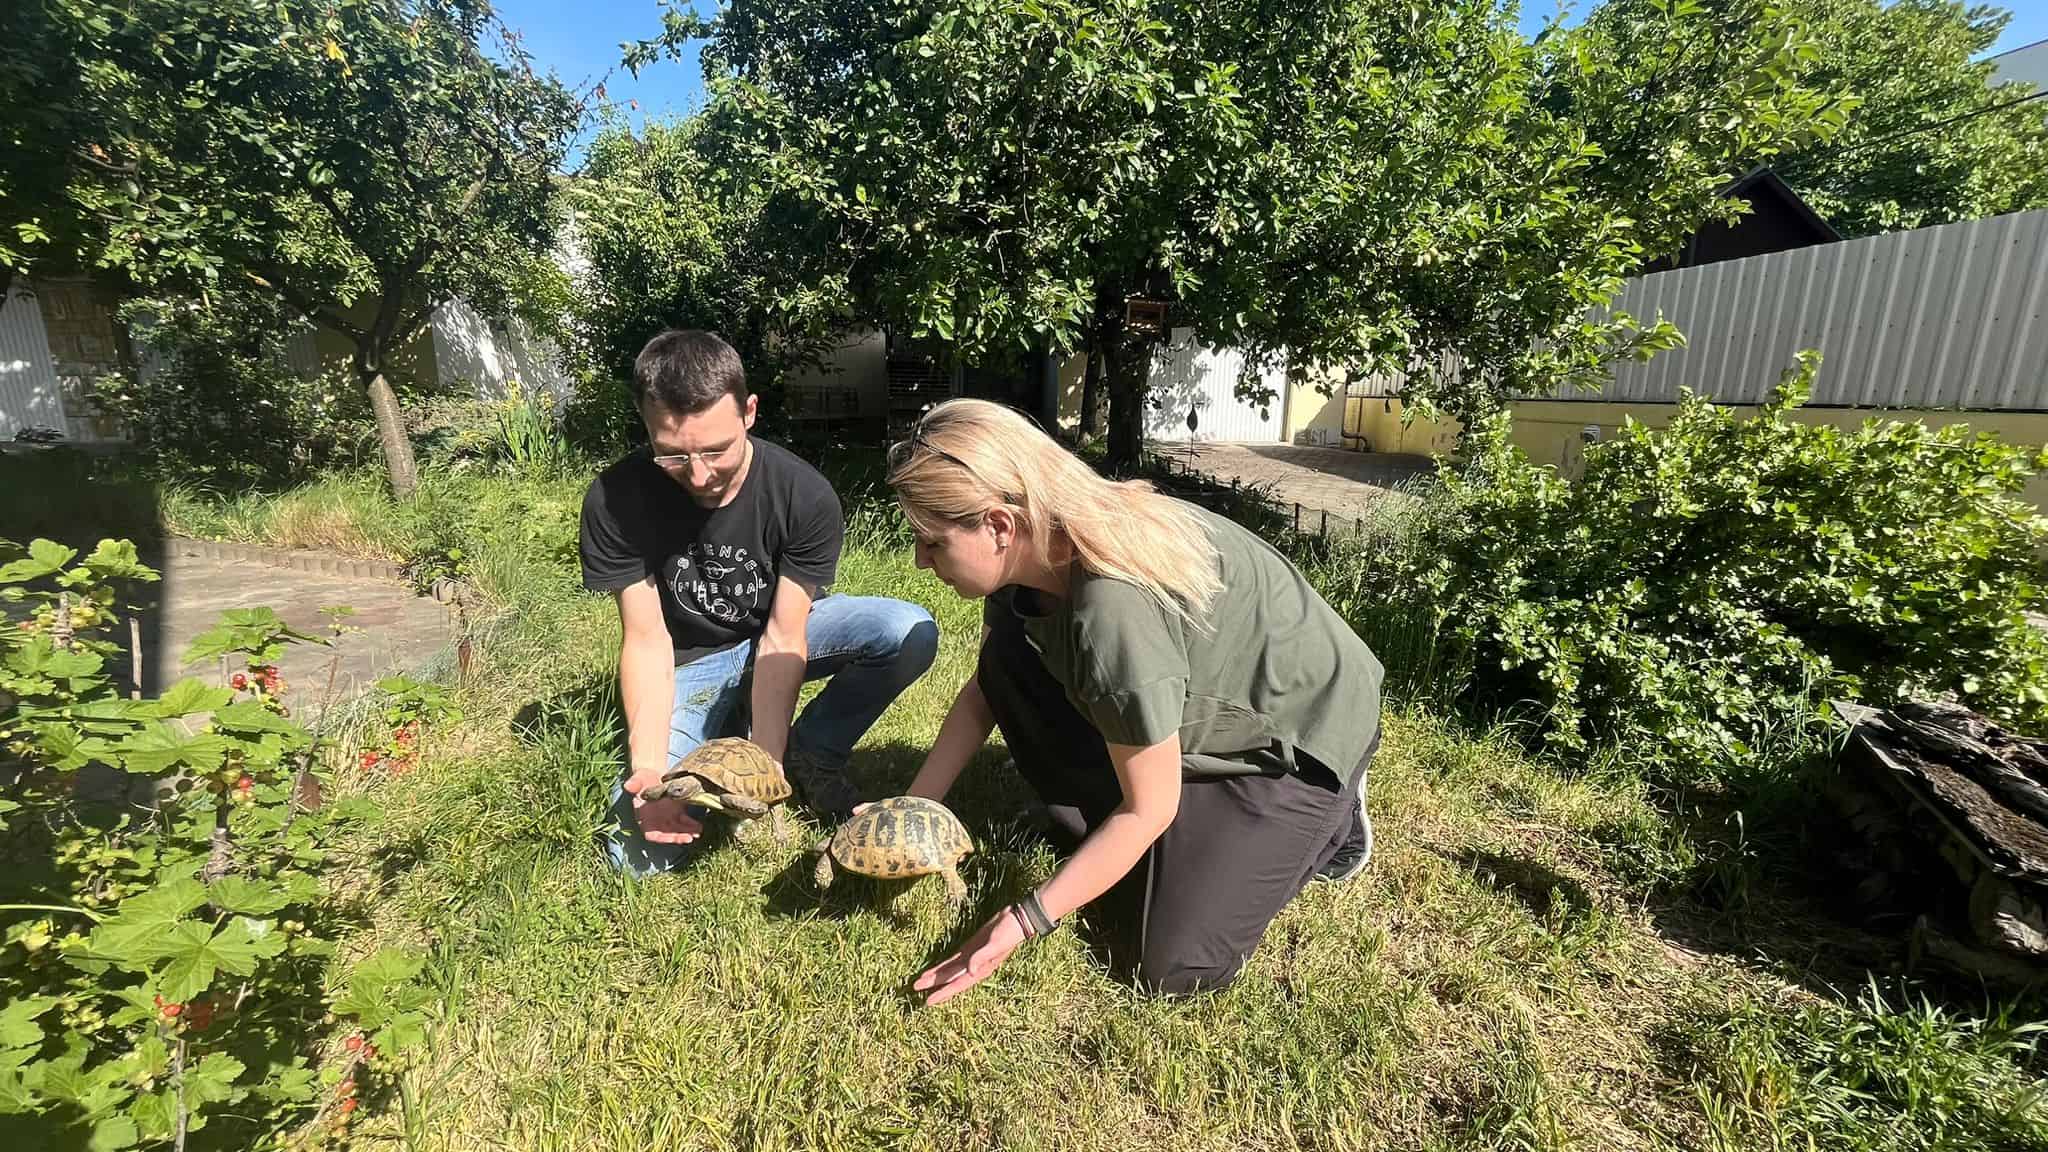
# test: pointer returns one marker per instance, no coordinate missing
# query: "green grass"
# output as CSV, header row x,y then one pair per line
x,y
1503,976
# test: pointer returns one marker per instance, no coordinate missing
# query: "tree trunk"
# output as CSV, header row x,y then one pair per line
x,y
1091,391
1127,355
404,474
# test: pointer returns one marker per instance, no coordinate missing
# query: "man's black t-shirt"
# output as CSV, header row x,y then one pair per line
x,y
716,567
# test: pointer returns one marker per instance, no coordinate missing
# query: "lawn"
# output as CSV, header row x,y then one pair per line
x,y
1517,969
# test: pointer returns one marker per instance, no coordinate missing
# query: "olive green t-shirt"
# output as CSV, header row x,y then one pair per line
x,y
1270,669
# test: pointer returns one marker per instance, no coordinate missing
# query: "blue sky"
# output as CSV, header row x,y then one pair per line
x,y
580,41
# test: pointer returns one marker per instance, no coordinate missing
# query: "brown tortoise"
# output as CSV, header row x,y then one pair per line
x,y
728,775
903,836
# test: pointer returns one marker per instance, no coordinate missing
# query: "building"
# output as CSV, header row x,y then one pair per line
x,y
1777,221
2027,64
57,336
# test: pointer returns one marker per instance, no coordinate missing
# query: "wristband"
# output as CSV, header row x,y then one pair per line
x,y
1034,915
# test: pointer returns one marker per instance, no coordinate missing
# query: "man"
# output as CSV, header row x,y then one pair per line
x,y
720,548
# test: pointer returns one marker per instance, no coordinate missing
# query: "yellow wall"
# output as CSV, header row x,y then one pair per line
x,y
1309,410
1553,432
1376,425
1072,373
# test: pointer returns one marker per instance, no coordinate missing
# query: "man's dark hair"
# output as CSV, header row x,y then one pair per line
x,y
687,370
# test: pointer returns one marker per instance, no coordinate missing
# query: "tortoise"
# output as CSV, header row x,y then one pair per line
x,y
729,775
901,836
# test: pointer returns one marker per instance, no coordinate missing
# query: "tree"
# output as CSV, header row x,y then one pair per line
x,y
366,161
1364,183
1934,140
671,237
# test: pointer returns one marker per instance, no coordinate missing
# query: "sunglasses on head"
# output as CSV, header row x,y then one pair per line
x,y
899,455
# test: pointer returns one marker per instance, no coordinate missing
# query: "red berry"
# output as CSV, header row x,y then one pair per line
x,y
238,682
353,1043
348,1106
369,759
244,784
369,1051
346,1087
171,1008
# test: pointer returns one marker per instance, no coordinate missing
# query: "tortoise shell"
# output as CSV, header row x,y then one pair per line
x,y
735,767
901,836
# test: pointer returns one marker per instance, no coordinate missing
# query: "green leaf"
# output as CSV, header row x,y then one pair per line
x,y
249,897
403,1033
155,1114
197,955
44,558
15,1097
138,934
388,966
213,1080
94,1091
252,716
113,1134
18,1027
163,745
188,696
117,560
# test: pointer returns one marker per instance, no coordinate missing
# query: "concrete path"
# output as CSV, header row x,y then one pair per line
x,y
393,629
1321,480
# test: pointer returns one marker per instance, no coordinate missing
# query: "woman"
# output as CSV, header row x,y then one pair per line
x,y
1185,704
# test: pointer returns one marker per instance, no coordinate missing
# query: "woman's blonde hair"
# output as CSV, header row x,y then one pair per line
x,y
966,457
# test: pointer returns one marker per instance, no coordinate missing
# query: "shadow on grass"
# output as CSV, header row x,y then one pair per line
x,y
1534,885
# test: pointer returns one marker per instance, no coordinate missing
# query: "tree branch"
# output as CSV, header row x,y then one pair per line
x,y
325,197
306,305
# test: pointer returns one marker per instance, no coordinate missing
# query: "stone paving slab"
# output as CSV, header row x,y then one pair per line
x,y
395,629
1335,481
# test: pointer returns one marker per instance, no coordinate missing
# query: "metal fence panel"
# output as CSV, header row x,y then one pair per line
x,y
1943,317
30,396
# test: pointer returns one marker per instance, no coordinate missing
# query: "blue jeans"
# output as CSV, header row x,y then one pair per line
x,y
870,647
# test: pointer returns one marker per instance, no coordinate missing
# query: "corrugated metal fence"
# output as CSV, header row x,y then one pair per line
x,y
1943,317
29,391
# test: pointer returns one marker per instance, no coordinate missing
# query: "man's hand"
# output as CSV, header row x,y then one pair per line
x,y
664,821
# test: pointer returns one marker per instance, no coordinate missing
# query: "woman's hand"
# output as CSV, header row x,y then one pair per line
x,y
981,955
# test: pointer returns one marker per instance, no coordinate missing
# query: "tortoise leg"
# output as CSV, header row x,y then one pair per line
x,y
743,807
823,872
956,888
780,825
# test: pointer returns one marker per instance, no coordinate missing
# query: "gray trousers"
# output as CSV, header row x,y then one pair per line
x,y
1191,912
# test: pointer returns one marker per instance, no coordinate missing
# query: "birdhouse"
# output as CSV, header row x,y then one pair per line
x,y
1142,314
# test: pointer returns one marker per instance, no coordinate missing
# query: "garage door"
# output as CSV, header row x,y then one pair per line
x,y
1189,375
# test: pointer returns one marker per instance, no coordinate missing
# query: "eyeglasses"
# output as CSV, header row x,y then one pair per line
x,y
899,455
711,459
899,452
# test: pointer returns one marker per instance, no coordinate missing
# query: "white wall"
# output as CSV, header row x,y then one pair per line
x,y
1188,374
468,348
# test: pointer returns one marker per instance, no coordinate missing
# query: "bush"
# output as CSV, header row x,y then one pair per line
x,y
226,410
168,924
519,432
1703,590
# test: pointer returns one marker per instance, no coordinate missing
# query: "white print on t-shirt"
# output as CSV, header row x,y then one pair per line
x,y
720,581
